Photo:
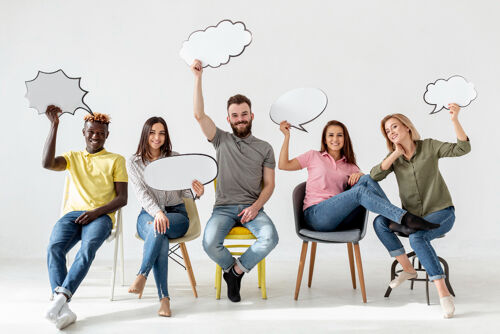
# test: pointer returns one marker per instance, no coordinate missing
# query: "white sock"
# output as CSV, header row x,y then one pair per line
x,y
448,306
402,276
66,317
55,306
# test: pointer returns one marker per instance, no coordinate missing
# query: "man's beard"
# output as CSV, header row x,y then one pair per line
x,y
244,132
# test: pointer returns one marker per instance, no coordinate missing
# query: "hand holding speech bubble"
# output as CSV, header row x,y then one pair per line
x,y
178,172
58,89
299,106
216,45
455,89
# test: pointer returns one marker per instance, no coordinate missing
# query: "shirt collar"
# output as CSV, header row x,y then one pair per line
x,y
246,140
101,152
325,153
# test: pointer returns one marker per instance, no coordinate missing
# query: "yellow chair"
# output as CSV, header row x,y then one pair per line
x,y
240,233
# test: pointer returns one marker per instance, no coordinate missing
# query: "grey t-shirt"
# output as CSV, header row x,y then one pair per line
x,y
241,164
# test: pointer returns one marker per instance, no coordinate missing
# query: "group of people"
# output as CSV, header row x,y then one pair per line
x,y
335,187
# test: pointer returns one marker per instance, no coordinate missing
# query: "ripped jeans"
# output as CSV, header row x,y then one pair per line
x,y
156,246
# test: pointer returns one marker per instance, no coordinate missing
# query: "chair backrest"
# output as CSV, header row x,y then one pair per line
x,y
194,229
359,215
298,203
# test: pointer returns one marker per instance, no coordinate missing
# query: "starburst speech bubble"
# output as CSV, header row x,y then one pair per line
x,y
56,88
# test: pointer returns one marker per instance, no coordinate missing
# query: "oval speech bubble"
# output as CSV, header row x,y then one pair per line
x,y
299,106
179,171
455,89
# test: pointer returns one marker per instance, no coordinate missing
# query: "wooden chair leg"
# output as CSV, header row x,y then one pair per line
x,y
311,264
351,264
360,271
189,269
302,262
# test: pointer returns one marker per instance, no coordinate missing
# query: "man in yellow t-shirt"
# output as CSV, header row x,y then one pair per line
x,y
97,187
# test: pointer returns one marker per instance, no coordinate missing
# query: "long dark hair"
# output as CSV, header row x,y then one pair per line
x,y
143,148
346,150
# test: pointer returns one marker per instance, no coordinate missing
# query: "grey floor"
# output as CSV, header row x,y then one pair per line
x,y
330,305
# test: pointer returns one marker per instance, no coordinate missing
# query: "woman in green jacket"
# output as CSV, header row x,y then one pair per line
x,y
423,192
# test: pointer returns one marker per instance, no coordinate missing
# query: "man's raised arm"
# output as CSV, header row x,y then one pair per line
x,y
206,123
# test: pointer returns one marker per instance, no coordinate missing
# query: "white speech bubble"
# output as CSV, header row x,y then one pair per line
x,y
455,89
56,88
179,171
299,106
216,45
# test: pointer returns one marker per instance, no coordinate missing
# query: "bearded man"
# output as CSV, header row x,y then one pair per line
x,y
244,184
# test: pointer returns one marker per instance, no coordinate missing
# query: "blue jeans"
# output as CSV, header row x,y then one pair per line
x,y
156,245
420,241
327,215
65,234
223,219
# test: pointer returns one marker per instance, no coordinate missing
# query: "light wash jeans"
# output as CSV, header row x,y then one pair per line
x,y
327,215
156,245
65,234
223,219
420,241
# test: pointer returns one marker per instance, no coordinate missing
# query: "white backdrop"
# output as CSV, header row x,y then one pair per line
x,y
370,57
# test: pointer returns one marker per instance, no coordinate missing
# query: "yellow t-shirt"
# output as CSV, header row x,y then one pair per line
x,y
91,179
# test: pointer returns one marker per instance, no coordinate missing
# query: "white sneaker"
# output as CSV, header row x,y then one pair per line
x,y
55,306
402,276
66,317
448,306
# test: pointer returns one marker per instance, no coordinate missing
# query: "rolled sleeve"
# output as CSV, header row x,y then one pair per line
x,y
378,174
443,149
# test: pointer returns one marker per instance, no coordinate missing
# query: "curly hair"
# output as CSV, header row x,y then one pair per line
x,y
97,117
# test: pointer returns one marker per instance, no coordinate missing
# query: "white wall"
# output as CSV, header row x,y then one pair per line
x,y
370,57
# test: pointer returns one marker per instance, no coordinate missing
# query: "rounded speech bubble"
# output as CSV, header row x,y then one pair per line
x,y
455,89
179,171
299,106
58,89
216,45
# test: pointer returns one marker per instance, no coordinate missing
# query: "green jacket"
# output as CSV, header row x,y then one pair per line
x,y
421,187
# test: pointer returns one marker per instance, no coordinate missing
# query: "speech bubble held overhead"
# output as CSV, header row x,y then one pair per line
x,y
56,88
455,89
216,45
179,171
299,106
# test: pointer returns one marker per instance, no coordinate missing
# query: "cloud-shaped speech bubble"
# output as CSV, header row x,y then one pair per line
x,y
299,106
215,45
455,89
58,89
177,172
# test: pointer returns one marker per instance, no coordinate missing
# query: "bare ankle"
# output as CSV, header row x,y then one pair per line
x,y
237,269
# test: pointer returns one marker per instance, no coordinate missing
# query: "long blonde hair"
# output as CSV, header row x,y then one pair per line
x,y
406,122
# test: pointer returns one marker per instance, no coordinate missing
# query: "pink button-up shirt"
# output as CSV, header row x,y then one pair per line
x,y
326,177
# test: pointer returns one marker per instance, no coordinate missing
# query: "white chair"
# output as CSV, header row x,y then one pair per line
x,y
192,233
116,235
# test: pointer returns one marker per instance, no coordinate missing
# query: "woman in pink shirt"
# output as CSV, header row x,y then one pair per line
x,y
331,171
